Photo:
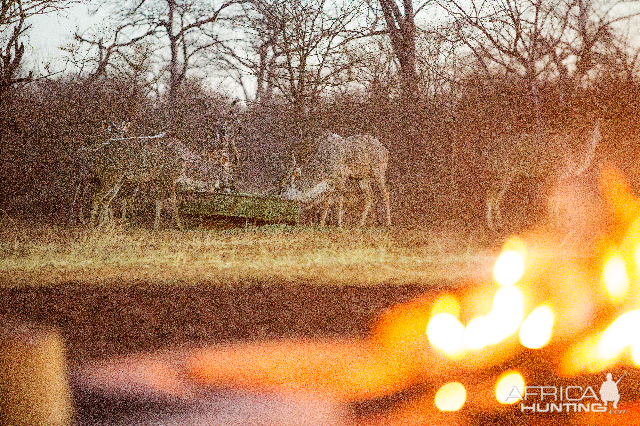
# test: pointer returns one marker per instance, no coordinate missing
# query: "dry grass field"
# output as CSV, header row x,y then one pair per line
x,y
31,255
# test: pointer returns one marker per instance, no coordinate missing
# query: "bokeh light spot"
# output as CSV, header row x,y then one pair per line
x,y
536,329
509,387
615,278
445,333
451,397
509,268
476,333
621,333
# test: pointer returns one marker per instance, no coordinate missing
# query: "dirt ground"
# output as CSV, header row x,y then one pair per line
x,y
100,321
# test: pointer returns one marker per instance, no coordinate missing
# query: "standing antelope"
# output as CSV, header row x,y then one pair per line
x,y
86,162
361,158
546,158
155,161
228,155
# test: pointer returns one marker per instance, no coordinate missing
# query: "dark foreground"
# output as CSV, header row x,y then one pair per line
x,y
112,334
100,322
127,348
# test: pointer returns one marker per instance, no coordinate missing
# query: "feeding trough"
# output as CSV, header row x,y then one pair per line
x,y
238,207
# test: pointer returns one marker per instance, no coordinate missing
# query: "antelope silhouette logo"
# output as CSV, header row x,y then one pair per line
x,y
609,391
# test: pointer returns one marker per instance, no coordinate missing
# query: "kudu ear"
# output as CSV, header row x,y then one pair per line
x,y
125,126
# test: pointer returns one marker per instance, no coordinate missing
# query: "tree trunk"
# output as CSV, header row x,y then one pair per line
x,y
402,32
174,73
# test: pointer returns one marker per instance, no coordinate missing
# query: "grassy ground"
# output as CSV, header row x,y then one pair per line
x,y
47,254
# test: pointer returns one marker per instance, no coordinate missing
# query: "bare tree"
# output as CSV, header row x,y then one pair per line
x,y
117,53
534,38
14,15
255,53
401,28
298,48
182,32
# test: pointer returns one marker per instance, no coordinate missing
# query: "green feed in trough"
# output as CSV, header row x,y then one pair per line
x,y
268,209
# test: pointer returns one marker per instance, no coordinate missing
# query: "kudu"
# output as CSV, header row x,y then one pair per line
x,y
227,154
123,166
361,158
86,162
545,159
153,161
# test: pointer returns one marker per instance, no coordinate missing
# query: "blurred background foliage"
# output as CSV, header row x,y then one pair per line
x,y
435,81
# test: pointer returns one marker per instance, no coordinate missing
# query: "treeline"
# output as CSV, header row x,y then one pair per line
x,y
439,176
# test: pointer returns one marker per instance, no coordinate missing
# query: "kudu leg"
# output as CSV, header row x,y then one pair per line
x,y
107,210
325,210
123,218
156,222
494,215
94,212
100,203
385,197
82,206
74,206
365,185
78,213
176,212
340,209
494,201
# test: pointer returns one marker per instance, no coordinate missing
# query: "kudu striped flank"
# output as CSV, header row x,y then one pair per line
x,y
361,158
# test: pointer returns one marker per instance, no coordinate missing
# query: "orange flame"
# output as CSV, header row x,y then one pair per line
x,y
547,297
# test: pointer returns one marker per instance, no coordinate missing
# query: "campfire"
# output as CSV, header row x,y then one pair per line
x,y
552,336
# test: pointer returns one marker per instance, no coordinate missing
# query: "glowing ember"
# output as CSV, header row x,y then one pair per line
x,y
446,303
621,333
616,279
509,268
476,335
509,387
507,314
535,331
451,397
445,333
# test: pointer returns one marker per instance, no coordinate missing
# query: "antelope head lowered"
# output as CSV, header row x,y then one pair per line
x,y
361,158
159,163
